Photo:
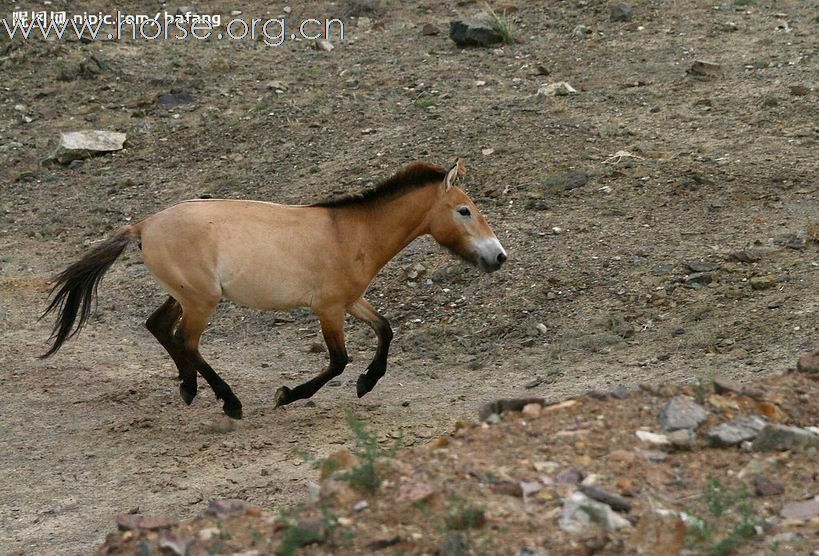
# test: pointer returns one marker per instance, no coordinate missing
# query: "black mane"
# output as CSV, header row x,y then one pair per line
x,y
412,177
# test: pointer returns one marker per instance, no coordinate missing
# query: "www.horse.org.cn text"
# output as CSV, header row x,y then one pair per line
x,y
118,25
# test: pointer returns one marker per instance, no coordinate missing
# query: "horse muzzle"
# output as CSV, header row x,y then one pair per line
x,y
491,255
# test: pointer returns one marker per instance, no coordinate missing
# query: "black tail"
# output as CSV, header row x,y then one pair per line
x,y
76,288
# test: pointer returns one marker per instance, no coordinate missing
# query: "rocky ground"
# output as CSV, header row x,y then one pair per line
x,y
661,223
715,468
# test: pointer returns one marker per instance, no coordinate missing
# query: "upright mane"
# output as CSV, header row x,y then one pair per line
x,y
412,177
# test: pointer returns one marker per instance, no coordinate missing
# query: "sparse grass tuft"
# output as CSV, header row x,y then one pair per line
x,y
426,102
731,522
462,516
502,24
460,529
702,389
616,324
366,476
296,537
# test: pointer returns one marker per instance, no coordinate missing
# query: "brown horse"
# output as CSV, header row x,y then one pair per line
x,y
269,256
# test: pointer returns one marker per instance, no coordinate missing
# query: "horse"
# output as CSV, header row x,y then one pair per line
x,y
270,256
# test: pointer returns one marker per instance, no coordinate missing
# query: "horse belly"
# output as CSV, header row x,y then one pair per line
x,y
275,292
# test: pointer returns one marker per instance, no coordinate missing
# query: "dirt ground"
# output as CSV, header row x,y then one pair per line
x,y
597,291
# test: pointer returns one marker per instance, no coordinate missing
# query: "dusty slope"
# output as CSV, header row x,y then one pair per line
x,y
503,488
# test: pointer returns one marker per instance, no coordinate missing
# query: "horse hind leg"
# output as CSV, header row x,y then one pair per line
x,y
193,324
161,324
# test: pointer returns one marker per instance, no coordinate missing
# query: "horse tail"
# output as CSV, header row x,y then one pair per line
x,y
75,288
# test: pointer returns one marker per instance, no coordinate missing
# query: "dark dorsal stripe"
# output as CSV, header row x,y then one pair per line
x,y
412,177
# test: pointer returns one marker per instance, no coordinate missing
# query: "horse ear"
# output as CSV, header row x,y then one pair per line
x,y
458,169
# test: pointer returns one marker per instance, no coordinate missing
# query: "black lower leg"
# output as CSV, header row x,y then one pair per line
x,y
338,360
161,324
378,367
231,406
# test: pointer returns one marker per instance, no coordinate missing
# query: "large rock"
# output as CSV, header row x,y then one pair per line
x,y
475,31
681,413
781,437
580,512
736,431
76,145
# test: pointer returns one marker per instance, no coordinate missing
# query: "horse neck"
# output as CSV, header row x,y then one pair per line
x,y
389,226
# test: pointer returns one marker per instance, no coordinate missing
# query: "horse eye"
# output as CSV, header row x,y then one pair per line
x,y
464,211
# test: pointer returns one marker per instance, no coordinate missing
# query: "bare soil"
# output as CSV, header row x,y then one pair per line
x,y
596,293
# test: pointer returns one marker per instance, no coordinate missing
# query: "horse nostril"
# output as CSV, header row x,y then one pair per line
x,y
501,258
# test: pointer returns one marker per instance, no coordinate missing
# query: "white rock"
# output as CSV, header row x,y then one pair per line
x,y
532,409
653,438
559,89
75,145
580,511
323,44
276,85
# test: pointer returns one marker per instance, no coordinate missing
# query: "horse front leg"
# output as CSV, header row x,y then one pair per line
x,y
332,327
362,310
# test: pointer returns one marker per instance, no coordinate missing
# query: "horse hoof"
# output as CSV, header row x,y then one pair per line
x,y
362,386
187,395
282,396
234,412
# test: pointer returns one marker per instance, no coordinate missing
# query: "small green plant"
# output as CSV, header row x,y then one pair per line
x,y
616,324
702,388
731,522
502,25
455,544
296,537
426,102
366,476
463,515
332,535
